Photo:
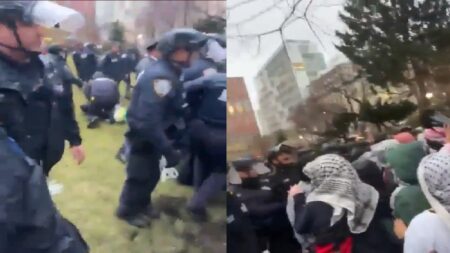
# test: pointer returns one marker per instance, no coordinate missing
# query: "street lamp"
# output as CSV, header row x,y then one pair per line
x,y
429,95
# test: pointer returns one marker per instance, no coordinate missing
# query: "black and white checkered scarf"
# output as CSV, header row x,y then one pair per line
x,y
335,182
434,180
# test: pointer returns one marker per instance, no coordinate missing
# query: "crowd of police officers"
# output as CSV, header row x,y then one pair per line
x,y
177,112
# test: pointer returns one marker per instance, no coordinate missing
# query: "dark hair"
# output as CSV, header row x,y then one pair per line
x,y
425,118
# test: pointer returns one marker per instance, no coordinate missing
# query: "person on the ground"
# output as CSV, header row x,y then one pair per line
x,y
29,221
86,62
62,79
103,96
155,112
429,231
407,200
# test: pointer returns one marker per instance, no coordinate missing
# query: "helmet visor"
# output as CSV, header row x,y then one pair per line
x,y
48,15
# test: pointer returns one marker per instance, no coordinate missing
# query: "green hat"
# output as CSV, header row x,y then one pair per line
x,y
405,159
409,202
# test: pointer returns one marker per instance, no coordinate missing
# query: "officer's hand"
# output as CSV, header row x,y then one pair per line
x,y
173,157
78,154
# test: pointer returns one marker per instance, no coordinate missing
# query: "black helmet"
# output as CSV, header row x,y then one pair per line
x,y
243,164
11,11
152,44
181,38
55,49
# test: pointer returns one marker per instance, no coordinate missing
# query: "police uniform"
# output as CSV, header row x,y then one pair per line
x,y
85,63
38,126
29,221
208,137
154,117
103,95
241,237
61,80
114,66
130,60
156,105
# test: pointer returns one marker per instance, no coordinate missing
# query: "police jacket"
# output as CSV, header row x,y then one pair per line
x,y
260,203
156,105
144,63
199,68
212,90
241,237
29,221
114,66
130,61
61,80
86,64
29,111
103,89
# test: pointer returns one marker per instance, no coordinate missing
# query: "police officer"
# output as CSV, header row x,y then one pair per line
x,y
86,62
38,128
152,56
156,106
115,65
29,221
208,135
130,60
61,80
241,237
103,95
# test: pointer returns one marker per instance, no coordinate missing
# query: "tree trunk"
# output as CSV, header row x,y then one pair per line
x,y
420,91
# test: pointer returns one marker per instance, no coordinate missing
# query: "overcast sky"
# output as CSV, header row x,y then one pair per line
x,y
244,59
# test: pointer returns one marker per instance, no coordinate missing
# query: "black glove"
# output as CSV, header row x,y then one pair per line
x,y
173,157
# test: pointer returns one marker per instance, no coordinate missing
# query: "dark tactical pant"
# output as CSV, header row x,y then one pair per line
x,y
143,174
98,108
208,143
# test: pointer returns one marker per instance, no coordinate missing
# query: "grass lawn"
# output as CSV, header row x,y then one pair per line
x,y
90,196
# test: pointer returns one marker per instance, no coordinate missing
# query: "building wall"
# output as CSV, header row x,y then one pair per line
x,y
241,122
283,83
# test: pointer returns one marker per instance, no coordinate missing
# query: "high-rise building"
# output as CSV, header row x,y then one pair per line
x,y
241,123
282,83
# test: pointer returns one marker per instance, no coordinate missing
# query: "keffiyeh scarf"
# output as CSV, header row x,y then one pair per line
x,y
434,180
335,182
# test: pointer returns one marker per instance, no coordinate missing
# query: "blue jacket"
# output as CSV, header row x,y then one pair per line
x,y
212,92
156,105
29,220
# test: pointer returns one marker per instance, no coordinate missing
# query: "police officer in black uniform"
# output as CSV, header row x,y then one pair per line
x,y
39,128
208,135
61,80
29,221
115,65
103,95
156,106
86,62
130,60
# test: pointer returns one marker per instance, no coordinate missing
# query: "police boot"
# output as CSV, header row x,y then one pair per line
x,y
94,122
198,215
139,220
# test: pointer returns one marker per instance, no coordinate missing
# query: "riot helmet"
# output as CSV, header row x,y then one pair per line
x,y
178,39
